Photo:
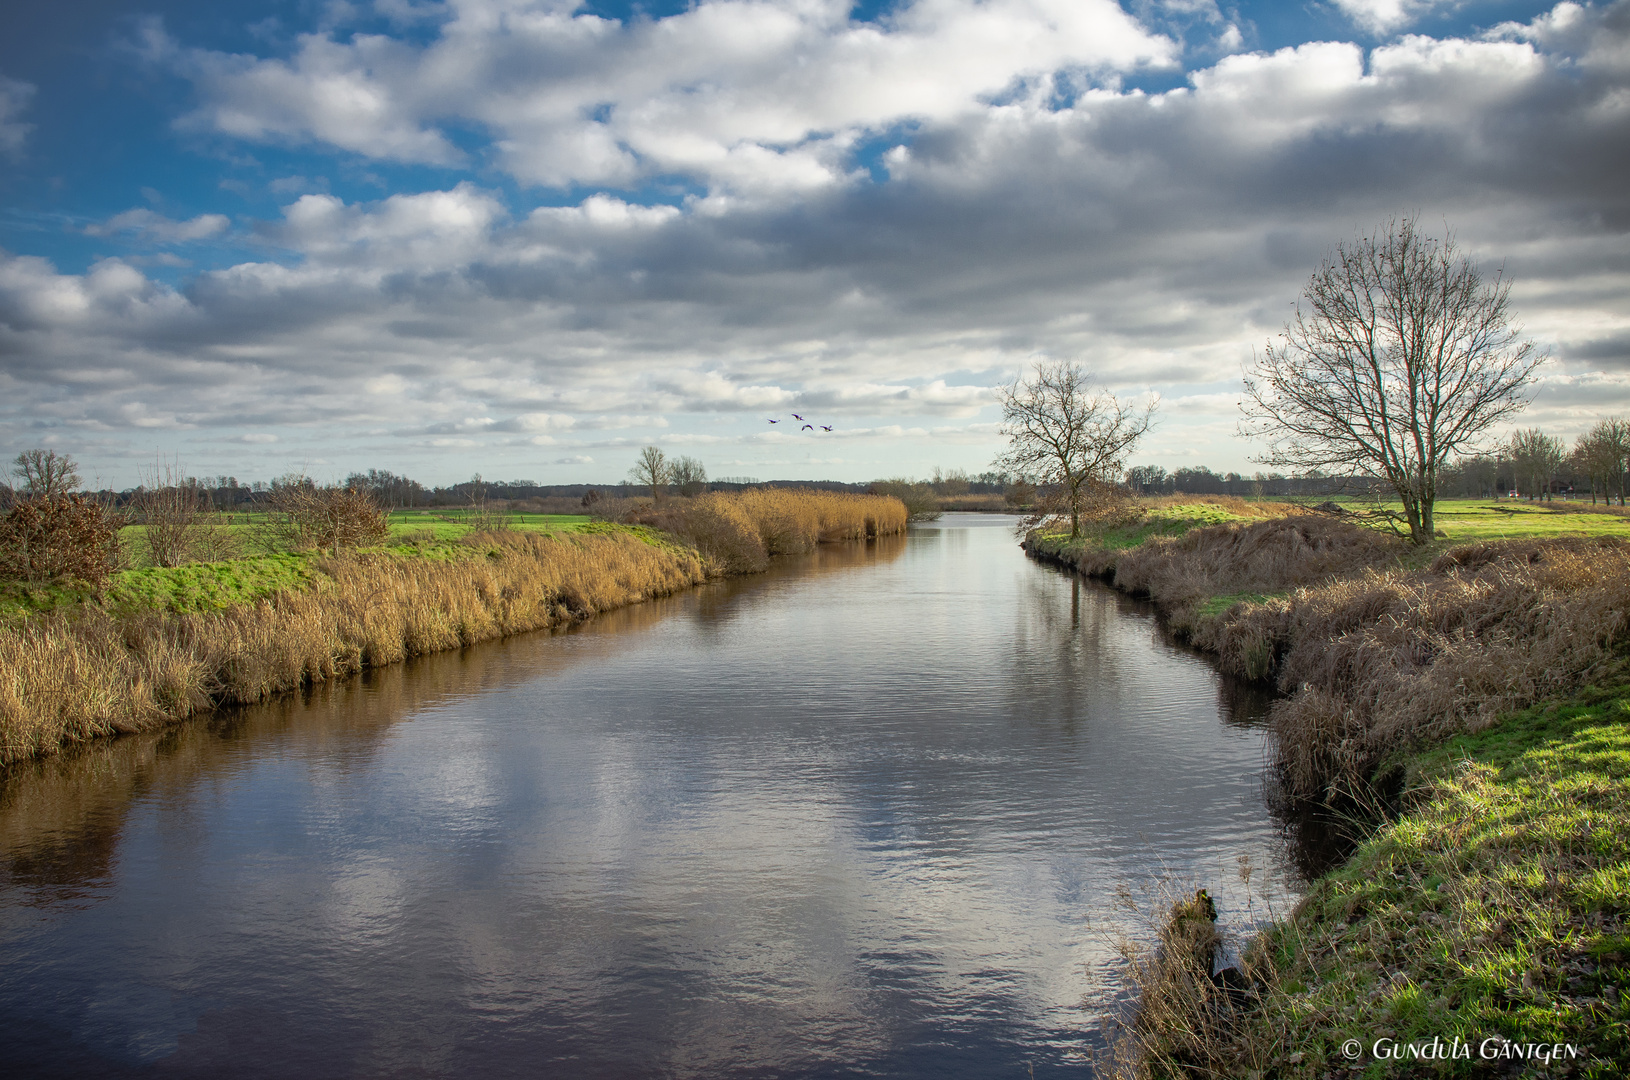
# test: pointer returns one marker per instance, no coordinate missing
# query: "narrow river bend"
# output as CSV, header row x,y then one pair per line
x,y
866,815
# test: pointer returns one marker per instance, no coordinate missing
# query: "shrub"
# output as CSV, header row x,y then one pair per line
x,y
56,539
305,516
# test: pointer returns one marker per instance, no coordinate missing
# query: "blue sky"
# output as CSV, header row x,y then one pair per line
x,y
525,239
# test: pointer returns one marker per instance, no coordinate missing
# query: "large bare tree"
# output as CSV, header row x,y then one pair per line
x,y
1401,355
1067,434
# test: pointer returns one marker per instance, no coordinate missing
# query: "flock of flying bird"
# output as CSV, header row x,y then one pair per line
x,y
807,426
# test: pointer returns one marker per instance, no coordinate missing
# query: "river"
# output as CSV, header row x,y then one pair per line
x,y
876,813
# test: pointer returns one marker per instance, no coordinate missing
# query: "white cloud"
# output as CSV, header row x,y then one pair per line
x,y
15,96
1385,16
747,95
155,228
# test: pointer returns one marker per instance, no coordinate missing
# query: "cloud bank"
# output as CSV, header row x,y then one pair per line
x,y
773,208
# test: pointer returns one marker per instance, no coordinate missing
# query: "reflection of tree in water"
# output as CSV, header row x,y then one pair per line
x,y
1067,648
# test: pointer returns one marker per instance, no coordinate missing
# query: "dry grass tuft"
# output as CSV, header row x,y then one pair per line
x,y
1386,660
67,679
1264,556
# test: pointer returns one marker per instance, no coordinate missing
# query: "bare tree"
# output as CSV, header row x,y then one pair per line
x,y
1535,458
688,475
1603,455
484,514
652,470
179,524
1400,356
45,474
1067,435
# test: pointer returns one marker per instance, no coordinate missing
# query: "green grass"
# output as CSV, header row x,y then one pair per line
x,y
1464,522
1170,521
1216,605
421,527
1498,905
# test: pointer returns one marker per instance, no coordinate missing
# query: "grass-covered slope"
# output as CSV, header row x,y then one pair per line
x,y
1494,911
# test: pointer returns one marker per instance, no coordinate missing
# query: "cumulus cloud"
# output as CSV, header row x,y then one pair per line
x,y
747,95
15,96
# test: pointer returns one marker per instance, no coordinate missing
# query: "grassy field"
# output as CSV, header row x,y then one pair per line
x,y
248,535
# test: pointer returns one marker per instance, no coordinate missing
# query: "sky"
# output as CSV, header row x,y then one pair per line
x,y
526,239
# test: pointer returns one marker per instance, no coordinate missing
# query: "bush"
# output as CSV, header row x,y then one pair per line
x,y
57,539
333,518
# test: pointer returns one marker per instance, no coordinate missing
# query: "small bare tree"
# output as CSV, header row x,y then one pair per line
x,y
179,524
45,474
688,475
1069,436
1400,357
484,514
305,516
651,470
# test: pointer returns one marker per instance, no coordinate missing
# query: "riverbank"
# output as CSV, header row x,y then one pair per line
x,y
160,646
1474,699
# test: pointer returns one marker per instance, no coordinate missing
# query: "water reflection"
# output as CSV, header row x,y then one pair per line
x,y
851,817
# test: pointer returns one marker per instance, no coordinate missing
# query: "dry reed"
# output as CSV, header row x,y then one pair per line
x,y
1381,661
739,532
1265,556
70,679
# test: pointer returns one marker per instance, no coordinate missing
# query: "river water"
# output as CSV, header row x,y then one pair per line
x,y
881,812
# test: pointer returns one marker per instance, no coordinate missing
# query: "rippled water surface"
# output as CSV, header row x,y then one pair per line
x,y
864,816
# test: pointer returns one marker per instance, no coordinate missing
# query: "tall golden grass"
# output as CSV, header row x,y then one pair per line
x,y
738,532
67,679
1380,661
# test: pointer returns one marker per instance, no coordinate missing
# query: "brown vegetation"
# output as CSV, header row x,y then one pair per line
x,y
738,532
57,538
1382,661
1375,657
69,679
307,517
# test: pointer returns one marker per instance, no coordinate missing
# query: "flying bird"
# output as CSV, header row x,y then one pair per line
x,y
795,416
826,427
775,421
807,427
